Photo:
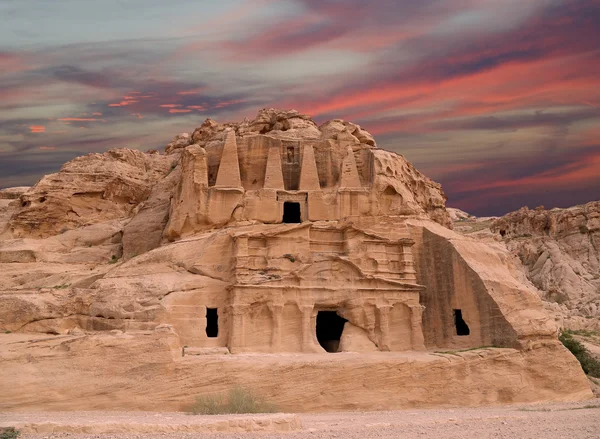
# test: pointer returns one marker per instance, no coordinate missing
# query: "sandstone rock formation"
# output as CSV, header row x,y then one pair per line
x,y
560,249
88,190
8,205
277,241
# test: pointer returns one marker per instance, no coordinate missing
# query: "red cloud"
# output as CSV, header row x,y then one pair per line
x,y
123,103
37,129
12,62
170,105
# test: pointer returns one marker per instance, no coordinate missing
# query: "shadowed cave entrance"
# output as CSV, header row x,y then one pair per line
x,y
329,330
461,326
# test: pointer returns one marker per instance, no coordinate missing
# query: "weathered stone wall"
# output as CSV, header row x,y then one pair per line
x,y
461,273
147,372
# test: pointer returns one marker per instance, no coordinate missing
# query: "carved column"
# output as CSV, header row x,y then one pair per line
x,y
384,327
277,313
409,272
307,311
236,334
242,259
416,323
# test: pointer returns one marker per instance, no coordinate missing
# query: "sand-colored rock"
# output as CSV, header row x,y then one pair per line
x,y
331,174
146,372
267,248
145,230
87,190
149,423
180,141
560,249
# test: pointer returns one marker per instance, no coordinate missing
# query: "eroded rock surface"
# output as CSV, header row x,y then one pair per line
x,y
269,237
87,190
560,249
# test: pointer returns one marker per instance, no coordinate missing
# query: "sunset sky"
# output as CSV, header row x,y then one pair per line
x,y
498,100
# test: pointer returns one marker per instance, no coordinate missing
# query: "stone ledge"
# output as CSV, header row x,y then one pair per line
x,y
147,423
206,351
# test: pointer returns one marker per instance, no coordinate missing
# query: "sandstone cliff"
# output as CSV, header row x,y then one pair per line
x,y
560,249
277,241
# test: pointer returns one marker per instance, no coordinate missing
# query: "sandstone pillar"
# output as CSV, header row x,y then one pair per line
x,y
384,327
236,334
277,313
228,175
273,173
309,177
409,272
307,311
416,324
349,177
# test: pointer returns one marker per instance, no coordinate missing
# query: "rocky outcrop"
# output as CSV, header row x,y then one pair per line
x,y
88,190
560,249
336,165
145,230
270,236
132,371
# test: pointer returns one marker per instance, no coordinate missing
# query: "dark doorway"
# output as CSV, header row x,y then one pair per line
x,y
461,326
291,212
212,322
329,330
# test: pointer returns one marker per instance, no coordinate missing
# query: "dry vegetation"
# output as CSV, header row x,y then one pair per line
x,y
237,401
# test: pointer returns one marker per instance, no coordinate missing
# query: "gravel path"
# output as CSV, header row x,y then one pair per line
x,y
546,421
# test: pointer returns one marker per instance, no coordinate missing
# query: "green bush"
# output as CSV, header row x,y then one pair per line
x,y
590,365
238,400
9,433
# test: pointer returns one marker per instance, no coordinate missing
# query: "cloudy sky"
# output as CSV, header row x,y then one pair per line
x,y
499,100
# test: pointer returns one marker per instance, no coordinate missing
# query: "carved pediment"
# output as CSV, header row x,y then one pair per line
x,y
339,273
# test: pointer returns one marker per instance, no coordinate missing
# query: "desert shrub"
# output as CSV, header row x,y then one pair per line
x,y
590,365
582,332
9,433
238,400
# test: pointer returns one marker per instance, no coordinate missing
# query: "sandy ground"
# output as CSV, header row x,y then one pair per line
x,y
544,421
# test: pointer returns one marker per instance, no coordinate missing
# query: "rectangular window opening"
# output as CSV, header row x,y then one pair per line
x,y
291,212
212,322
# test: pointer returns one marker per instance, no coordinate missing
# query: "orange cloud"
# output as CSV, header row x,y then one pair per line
x,y
170,105
122,104
174,110
138,115
47,148
37,129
